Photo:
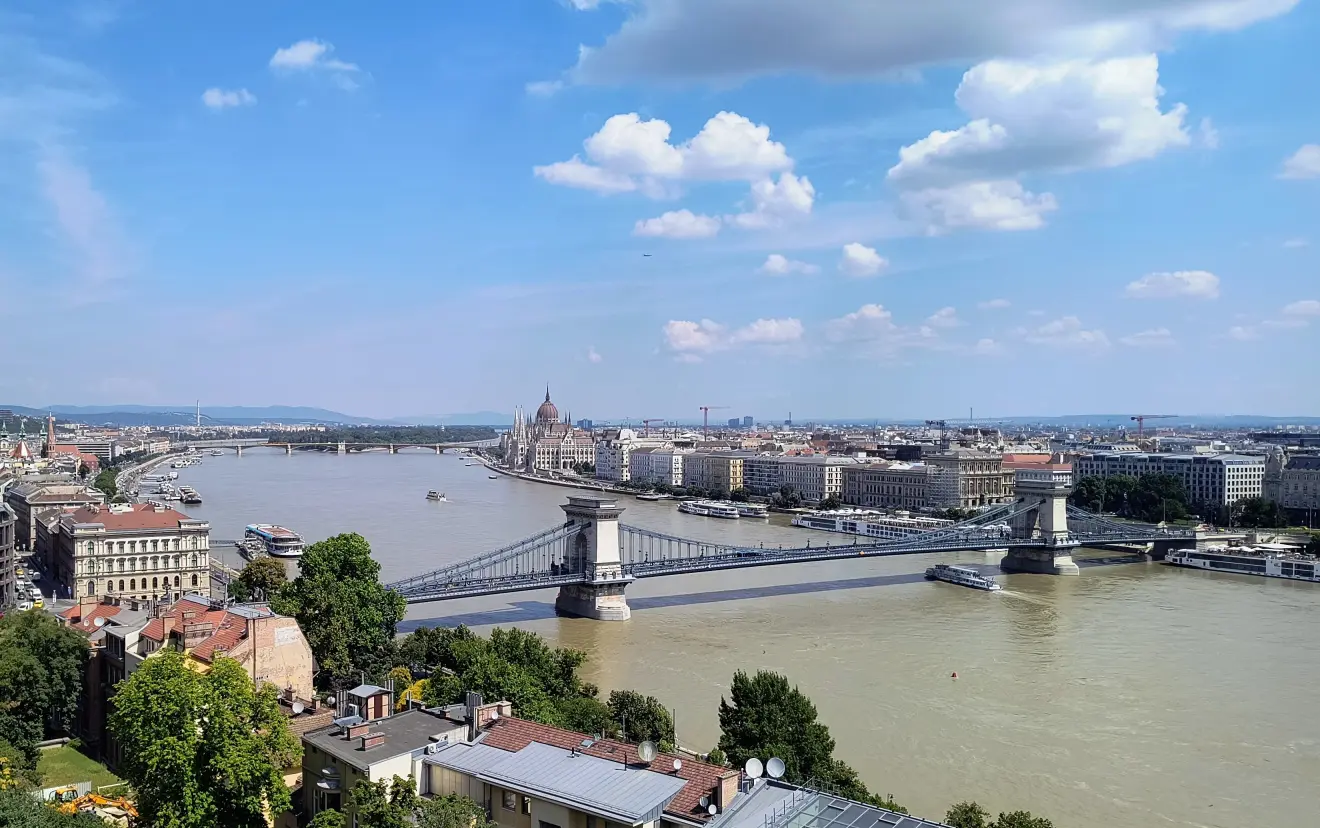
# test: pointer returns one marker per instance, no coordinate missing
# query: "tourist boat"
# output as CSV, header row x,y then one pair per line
x,y
190,498
280,542
251,548
217,453
869,522
493,476
962,576
708,508
437,496
751,510
173,475
652,496
1271,560
471,464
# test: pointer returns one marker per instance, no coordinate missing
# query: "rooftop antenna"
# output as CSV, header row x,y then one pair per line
x,y
646,751
753,768
775,767
199,413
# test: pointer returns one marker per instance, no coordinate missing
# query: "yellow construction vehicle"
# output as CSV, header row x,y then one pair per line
x,y
116,811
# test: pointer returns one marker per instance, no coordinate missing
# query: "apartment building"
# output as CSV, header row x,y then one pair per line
x,y
720,472
966,479
1292,482
1216,479
889,485
134,550
31,499
815,477
763,474
657,465
7,556
614,453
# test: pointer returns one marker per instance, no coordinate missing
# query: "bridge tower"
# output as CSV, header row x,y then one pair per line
x,y
239,449
1046,492
596,551
288,449
341,448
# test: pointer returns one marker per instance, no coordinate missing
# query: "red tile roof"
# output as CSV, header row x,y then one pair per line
x,y
142,516
87,623
508,733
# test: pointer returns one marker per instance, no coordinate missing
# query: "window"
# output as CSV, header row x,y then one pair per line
x,y
176,581
132,583
510,802
121,584
194,579
154,583
91,588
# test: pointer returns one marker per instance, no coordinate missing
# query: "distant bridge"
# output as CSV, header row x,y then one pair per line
x,y
592,558
340,447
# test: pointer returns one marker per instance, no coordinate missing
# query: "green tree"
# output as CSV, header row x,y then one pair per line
x,y
765,716
202,750
1259,513
1021,819
586,714
970,814
329,818
788,497
238,591
1088,494
1158,497
264,577
384,804
105,481
641,717
17,766
1313,546
42,664
18,808
717,757
831,502
452,811
348,616
739,495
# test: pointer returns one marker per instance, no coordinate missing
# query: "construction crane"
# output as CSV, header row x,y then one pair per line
x,y
646,421
705,419
1141,419
942,425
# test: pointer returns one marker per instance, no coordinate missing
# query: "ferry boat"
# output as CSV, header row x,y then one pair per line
x,y
871,523
653,496
189,495
493,476
1271,560
708,508
217,453
437,496
280,542
962,576
751,510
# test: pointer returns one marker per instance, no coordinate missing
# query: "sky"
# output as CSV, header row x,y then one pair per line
x,y
836,208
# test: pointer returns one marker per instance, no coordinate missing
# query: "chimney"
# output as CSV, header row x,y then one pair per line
x,y
357,730
727,789
474,701
372,740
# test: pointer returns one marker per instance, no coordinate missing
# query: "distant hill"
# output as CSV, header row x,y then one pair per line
x,y
161,415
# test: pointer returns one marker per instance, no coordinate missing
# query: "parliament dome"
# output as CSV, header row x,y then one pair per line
x,y
547,413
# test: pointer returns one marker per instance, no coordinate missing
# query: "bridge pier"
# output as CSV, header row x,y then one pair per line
x,y
341,448
1045,492
600,596
239,449
439,450
393,449
288,449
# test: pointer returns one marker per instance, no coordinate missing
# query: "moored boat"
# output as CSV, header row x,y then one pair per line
x,y
751,510
1270,560
279,541
439,497
962,576
652,496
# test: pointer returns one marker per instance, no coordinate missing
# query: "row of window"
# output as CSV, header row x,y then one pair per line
x,y
99,565
133,584
156,545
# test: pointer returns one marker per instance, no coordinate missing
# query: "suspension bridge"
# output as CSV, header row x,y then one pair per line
x,y
592,557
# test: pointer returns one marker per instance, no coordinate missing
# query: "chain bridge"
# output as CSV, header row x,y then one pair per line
x,y
592,557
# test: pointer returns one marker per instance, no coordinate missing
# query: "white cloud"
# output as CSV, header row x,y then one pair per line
x,y
1303,309
860,261
1305,163
1188,284
307,55
543,89
1030,117
84,220
944,318
217,98
987,347
1243,333
1208,134
693,340
1153,338
1293,244
873,326
678,224
774,203
593,356
1067,332
994,304
779,265
707,39
728,148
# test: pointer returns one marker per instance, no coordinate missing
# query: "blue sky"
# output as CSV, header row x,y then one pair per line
x,y
852,207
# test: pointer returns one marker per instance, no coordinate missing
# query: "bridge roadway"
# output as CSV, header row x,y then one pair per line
x,y
561,556
240,443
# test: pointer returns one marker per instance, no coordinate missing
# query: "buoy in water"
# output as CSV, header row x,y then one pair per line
x,y
955,675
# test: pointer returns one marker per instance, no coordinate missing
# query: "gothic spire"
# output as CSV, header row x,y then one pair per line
x,y
547,392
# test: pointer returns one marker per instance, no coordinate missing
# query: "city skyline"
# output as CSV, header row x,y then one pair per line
x,y
435,211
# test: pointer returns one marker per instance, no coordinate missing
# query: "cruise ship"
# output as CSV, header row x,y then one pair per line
x,y
870,523
962,576
753,510
280,542
708,508
1271,560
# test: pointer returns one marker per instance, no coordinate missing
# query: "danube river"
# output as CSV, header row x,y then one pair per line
x,y
1135,694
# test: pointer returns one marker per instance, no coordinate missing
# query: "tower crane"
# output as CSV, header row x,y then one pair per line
x,y
646,421
1141,419
942,425
705,419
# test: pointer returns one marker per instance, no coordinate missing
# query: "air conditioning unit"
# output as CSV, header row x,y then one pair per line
x,y
434,748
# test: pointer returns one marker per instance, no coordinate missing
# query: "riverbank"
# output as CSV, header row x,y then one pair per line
x,y
127,480
567,484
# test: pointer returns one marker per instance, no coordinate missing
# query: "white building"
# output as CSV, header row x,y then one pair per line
x,y
132,551
1216,479
547,444
614,452
816,477
656,465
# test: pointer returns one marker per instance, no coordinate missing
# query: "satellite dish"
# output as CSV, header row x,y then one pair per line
x,y
298,707
330,701
494,714
775,767
711,809
98,621
678,765
753,768
646,751
705,800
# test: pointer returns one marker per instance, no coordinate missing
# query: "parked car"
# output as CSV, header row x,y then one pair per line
x,y
24,606
35,576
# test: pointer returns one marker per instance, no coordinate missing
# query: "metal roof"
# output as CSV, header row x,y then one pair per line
x,y
363,691
773,804
623,793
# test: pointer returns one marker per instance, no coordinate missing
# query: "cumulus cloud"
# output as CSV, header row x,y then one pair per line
x,y
944,318
994,304
307,55
1243,333
217,98
1208,134
1030,117
860,261
593,356
872,327
678,224
1067,332
779,265
987,347
1303,309
706,39
1153,338
773,203
1182,284
693,340
1305,163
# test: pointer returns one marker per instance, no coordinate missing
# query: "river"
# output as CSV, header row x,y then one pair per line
x,y
1135,694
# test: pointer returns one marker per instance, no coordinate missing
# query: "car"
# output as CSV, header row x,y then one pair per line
x,y
20,571
36,576
38,603
24,606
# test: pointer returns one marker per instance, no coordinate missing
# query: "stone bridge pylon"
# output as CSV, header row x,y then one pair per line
x,y
1045,494
595,552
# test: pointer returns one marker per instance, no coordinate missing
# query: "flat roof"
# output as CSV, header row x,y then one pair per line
x,y
774,804
614,790
404,733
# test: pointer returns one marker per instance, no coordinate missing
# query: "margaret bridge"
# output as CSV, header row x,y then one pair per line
x,y
592,557
341,447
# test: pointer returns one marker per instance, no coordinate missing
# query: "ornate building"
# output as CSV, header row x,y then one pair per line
x,y
548,444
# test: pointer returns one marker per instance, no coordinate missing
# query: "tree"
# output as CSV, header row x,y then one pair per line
x,y
264,577
452,811
384,804
970,814
1158,497
202,750
1259,513
739,495
329,818
348,616
831,502
586,715
18,808
238,591
1088,494
105,481
641,717
1313,547
717,757
787,497
41,673
1021,819
16,768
